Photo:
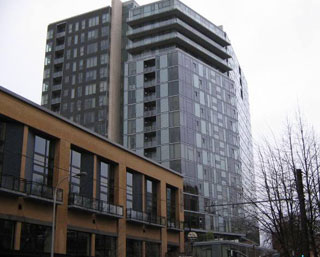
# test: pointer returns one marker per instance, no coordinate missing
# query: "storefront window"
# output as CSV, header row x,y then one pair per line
x,y
35,238
78,243
6,235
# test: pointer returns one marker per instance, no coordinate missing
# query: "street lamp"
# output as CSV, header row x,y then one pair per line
x,y
54,207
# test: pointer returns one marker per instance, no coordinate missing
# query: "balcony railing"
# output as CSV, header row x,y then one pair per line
x,y
149,83
150,128
95,205
13,185
61,34
146,218
57,74
149,69
43,191
58,60
59,47
151,97
29,189
150,143
56,87
152,112
174,224
56,100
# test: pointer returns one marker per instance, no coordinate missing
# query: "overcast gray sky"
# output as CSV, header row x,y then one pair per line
x,y
277,43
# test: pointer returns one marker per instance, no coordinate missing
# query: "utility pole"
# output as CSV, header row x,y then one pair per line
x,y
303,214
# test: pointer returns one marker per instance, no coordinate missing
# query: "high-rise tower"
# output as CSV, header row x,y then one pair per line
x,y
182,94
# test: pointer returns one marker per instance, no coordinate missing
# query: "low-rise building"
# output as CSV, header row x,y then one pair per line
x,y
125,205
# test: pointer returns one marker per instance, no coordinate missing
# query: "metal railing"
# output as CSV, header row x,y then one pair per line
x,y
95,205
57,74
150,128
58,60
43,191
149,69
150,97
150,143
61,34
175,224
56,100
59,47
150,112
12,183
56,87
144,217
149,83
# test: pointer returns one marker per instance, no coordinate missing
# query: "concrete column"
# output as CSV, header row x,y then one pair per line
x,y
143,193
61,170
114,123
120,183
95,176
162,196
93,244
17,236
180,216
24,152
143,249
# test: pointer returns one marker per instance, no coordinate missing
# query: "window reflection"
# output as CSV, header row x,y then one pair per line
x,y
43,158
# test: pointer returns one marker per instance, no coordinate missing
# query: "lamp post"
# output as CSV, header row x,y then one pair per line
x,y
54,207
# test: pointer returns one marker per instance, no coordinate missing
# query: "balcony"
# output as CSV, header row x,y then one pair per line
x,y
56,87
176,24
176,225
149,83
145,218
59,47
181,40
58,60
150,128
149,65
149,69
94,205
29,189
57,74
152,154
150,97
12,185
150,143
152,112
180,10
43,192
60,34
56,100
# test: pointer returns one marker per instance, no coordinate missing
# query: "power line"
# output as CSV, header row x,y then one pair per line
x,y
251,202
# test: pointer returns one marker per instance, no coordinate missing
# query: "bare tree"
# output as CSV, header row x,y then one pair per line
x,y
290,214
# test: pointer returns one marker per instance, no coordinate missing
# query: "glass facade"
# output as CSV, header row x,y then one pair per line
x,y
186,106
134,191
191,126
151,197
35,238
134,248
75,168
185,101
43,157
2,140
106,187
105,246
77,58
78,243
152,249
171,204
6,234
